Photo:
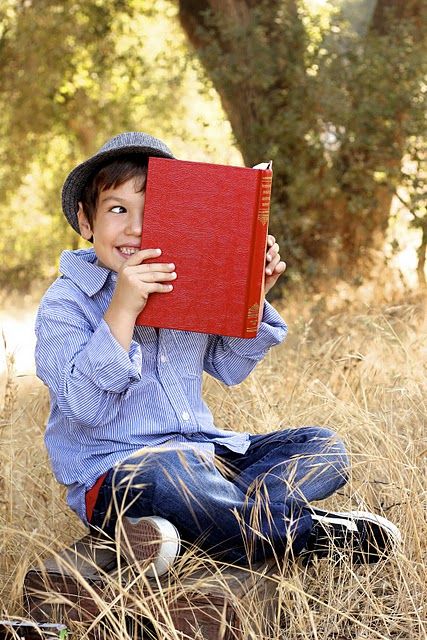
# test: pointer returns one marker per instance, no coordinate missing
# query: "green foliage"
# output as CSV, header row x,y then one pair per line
x,y
73,74
333,104
56,93
337,99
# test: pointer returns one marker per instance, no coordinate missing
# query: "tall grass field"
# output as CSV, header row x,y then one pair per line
x,y
360,370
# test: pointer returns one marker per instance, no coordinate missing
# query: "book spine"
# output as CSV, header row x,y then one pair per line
x,y
259,243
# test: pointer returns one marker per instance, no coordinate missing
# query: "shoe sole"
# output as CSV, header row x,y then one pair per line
x,y
151,542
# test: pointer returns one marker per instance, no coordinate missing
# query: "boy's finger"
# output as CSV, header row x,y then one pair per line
x,y
157,287
272,265
166,267
281,267
277,269
274,250
143,254
156,276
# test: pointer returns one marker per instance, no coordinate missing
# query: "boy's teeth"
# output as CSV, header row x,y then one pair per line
x,y
127,250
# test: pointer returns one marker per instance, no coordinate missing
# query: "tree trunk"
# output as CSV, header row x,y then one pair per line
x,y
421,255
208,25
255,54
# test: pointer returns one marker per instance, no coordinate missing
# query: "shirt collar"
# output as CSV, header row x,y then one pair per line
x,y
80,266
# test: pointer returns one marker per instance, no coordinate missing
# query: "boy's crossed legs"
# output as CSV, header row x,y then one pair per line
x,y
238,507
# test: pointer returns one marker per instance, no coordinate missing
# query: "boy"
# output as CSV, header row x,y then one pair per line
x,y
129,434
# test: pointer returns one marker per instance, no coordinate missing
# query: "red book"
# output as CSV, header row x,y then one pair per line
x,y
211,221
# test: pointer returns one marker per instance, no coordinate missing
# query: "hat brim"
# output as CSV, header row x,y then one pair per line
x,y
76,181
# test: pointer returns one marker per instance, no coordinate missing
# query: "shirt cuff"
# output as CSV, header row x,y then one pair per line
x,y
272,330
107,363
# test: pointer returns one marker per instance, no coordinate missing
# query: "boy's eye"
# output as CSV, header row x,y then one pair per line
x,y
118,209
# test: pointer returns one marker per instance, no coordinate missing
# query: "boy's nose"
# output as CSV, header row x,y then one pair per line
x,y
134,224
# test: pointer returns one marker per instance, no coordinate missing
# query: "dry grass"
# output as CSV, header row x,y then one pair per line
x,y
363,372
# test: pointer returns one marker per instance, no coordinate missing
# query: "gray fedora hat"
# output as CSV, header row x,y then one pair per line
x,y
124,143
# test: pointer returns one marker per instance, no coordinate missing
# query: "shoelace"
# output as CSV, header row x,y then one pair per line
x,y
325,536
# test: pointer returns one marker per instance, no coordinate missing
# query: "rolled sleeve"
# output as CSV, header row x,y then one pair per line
x,y
231,360
272,331
105,361
86,369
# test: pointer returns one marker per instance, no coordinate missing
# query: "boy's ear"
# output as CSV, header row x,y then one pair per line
x,y
84,225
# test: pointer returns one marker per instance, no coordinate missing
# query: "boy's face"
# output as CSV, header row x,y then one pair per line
x,y
117,224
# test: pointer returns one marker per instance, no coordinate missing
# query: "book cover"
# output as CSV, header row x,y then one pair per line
x,y
211,221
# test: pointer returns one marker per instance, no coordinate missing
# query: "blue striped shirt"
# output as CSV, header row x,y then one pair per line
x,y
106,402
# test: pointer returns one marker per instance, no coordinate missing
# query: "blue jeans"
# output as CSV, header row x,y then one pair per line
x,y
238,507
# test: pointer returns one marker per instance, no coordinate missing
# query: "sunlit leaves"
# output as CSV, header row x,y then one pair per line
x,y
333,97
335,100
73,73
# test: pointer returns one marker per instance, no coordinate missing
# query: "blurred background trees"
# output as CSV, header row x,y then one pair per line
x,y
334,92
337,104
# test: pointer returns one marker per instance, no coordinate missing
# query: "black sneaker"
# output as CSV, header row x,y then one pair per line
x,y
366,537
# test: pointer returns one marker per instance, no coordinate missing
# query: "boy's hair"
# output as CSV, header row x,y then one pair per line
x,y
110,176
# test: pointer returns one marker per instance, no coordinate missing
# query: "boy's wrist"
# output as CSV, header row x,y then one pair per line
x,y
120,315
121,323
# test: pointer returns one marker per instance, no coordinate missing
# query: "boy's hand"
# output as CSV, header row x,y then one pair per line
x,y
135,282
274,266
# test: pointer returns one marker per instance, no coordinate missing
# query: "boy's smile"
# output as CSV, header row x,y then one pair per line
x,y
117,225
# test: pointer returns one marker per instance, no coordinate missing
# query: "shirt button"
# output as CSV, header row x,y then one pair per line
x,y
185,415
163,359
